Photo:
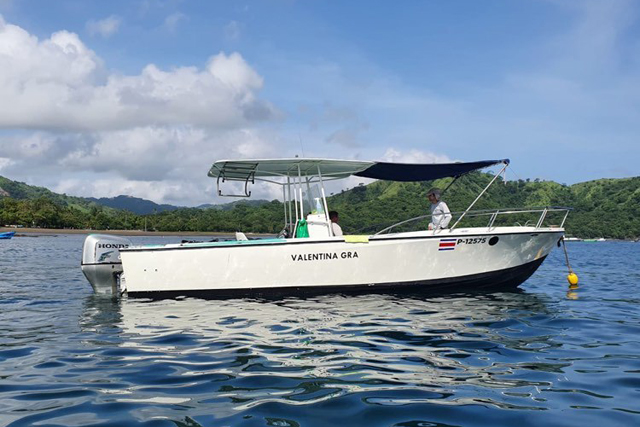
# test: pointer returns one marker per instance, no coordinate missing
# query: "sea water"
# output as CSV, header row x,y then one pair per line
x,y
543,356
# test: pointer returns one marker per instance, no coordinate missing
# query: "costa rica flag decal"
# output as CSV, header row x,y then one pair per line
x,y
447,244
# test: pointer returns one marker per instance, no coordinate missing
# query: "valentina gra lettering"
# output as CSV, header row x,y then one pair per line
x,y
322,256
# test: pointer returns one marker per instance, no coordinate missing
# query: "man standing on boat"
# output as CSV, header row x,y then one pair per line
x,y
440,213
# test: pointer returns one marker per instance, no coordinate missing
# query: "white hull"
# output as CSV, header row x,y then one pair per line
x,y
425,259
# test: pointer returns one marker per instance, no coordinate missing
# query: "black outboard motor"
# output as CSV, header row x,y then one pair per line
x,y
101,262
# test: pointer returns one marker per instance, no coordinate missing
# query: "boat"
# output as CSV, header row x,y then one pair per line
x,y
7,234
572,239
482,249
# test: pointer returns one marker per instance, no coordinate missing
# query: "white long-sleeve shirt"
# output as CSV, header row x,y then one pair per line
x,y
337,230
440,215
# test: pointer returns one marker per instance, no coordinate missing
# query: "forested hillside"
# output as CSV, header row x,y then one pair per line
x,y
607,208
21,191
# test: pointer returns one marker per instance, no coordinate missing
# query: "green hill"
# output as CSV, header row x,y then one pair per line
x,y
607,208
28,205
21,191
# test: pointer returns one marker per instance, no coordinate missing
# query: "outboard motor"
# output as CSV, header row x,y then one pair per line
x,y
101,262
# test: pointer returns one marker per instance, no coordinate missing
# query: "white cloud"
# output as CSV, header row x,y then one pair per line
x,y
233,71
164,164
4,162
105,27
60,61
156,154
137,154
59,83
414,156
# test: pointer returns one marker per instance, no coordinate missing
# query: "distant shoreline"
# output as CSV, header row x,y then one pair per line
x,y
50,231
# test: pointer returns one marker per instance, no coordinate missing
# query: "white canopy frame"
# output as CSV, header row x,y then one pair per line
x,y
293,175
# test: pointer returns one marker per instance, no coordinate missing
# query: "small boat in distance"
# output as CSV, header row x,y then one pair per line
x,y
572,239
7,234
488,249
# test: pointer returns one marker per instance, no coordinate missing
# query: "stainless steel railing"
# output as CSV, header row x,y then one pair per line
x,y
538,216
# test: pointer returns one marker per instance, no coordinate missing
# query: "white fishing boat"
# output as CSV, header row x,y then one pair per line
x,y
495,251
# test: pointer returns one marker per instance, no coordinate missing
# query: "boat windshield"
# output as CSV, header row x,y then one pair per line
x,y
312,201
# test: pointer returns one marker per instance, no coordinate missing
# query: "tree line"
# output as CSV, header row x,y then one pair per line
x,y
47,213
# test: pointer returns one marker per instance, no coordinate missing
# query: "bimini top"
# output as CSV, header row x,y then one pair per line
x,y
240,170
423,171
248,170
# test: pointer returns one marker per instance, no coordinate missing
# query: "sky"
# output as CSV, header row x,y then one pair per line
x,y
140,97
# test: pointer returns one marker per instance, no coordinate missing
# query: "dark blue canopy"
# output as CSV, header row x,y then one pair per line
x,y
423,172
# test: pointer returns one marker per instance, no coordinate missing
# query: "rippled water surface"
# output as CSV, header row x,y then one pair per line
x,y
539,357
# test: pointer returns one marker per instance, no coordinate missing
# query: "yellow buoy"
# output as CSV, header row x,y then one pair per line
x,y
572,278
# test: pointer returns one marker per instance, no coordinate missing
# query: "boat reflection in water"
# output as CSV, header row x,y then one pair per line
x,y
235,354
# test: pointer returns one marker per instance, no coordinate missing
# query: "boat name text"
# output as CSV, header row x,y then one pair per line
x,y
321,256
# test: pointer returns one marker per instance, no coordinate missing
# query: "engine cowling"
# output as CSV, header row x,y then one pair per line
x,y
101,263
